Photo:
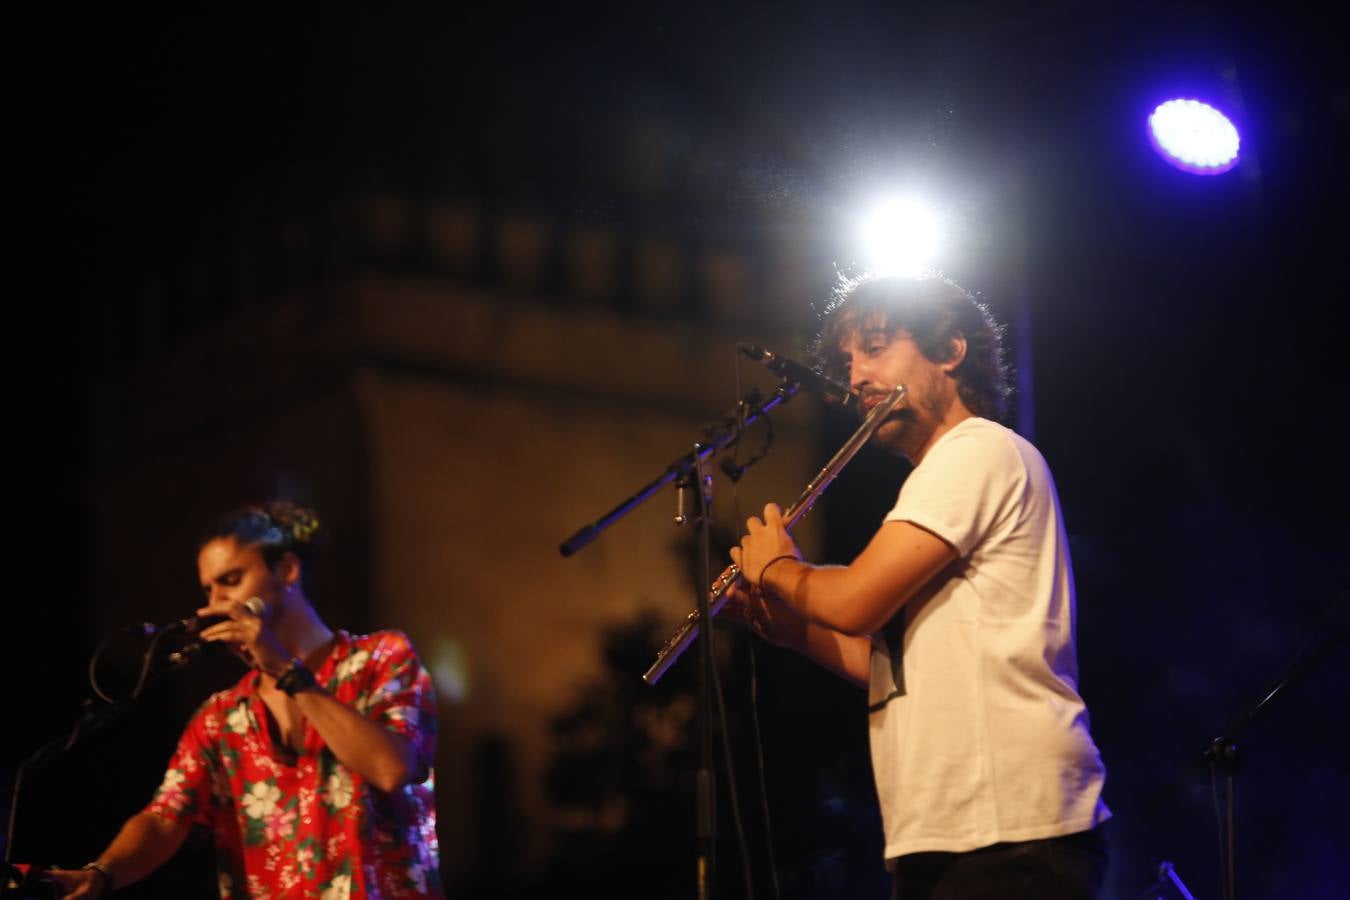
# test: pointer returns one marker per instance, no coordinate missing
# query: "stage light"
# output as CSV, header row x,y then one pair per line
x,y
900,235
1193,136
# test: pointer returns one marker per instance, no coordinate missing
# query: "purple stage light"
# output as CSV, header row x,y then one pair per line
x,y
1194,137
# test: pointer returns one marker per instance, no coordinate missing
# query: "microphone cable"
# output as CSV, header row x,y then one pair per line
x,y
757,736
144,629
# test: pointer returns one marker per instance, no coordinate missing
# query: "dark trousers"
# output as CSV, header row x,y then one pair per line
x,y
1062,868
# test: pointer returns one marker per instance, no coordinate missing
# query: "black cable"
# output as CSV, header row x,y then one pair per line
x,y
754,681
730,468
759,766
145,629
147,661
17,788
732,790
754,673
90,721
13,809
728,763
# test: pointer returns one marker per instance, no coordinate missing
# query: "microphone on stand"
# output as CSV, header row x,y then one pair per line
x,y
799,374
194,625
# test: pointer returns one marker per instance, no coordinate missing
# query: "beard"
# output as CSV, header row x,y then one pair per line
x,y
897,433
906,430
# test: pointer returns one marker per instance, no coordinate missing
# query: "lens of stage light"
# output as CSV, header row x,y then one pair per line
x,y
900,236
1193,136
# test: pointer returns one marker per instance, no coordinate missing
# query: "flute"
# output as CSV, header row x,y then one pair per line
x,y
688,629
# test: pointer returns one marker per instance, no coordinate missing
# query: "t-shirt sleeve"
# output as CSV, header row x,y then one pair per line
x,y
401,697
184,797
964,489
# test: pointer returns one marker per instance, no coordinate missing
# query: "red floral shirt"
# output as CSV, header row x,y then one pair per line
x,y
290,825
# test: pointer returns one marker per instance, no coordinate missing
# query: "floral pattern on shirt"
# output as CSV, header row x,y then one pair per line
x,y
307,826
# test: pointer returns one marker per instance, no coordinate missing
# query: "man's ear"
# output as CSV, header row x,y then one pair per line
x,y
288,569
956,353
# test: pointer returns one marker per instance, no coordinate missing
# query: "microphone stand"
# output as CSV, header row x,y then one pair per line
x,y
689,471
1222,752
707,777
717,436
92,719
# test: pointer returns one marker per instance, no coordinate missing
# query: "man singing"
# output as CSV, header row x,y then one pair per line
x,y
313,774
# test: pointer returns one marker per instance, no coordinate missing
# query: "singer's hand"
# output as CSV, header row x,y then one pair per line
x,y
247,634
78,883
764,542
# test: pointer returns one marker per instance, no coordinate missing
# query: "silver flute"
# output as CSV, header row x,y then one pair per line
x,y
717,594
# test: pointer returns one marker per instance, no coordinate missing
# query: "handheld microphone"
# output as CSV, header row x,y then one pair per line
x,y
197,624
799,374
194,625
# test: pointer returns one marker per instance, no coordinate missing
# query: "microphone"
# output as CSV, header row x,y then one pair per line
x,y
197,624
194,625
799,374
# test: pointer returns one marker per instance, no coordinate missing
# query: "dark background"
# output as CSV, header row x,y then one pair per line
x,y
1186,333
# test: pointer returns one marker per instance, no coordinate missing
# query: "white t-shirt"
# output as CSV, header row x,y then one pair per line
x,y
978,732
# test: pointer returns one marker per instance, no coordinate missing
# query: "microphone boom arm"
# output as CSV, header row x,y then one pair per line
x,y
716,437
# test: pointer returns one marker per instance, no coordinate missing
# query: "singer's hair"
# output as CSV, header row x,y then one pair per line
x,y
277,527
933,310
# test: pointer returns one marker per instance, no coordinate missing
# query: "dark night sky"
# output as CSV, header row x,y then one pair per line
x,y
1189,355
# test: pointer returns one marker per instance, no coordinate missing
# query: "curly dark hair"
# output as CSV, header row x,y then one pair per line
x,y
278,527
933,310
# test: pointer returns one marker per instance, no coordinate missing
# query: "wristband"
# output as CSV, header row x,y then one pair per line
x,y
297,678
102,869
764,571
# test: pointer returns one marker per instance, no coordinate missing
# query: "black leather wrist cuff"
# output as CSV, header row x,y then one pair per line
x,y
297,678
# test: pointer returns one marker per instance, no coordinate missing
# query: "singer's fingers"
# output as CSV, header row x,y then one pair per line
x,y
235,609
217,608
73,884
753,525
65,880
222,631
231,630
773,516
736,555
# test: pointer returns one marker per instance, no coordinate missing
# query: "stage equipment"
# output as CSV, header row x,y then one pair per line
x,y
689,471
789,369
1194,136
689,629
1222,752
1168,886
27,882
899,236
716,437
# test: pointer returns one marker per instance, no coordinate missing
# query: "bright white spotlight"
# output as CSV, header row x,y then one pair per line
x,y
900,235
1193,136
